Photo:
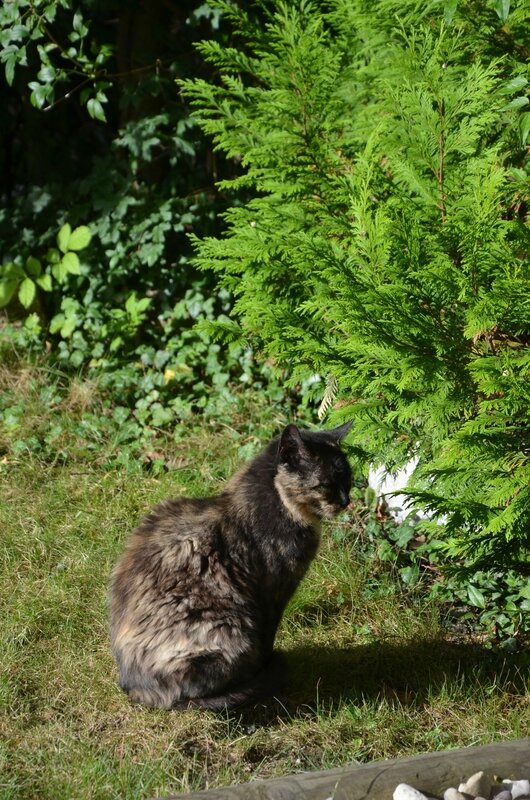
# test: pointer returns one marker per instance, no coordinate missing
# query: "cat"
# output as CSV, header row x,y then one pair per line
x,y
197,596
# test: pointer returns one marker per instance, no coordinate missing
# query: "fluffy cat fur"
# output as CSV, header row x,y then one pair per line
x,y
198,594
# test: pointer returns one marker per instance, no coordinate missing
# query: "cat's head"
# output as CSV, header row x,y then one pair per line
x,y
313,475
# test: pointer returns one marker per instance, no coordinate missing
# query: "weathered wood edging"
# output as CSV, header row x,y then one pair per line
x,y
431,773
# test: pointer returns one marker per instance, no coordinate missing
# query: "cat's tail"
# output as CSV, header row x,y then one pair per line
x,y
268,681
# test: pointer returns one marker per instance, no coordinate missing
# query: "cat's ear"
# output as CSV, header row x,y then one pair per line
x,y
338,434
291,447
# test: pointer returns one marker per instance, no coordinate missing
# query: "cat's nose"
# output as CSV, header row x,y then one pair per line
x,y
344,500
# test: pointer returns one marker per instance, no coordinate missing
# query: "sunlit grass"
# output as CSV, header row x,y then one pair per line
x,y
372,672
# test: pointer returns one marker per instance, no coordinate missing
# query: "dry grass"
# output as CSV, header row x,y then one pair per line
x,y
372,673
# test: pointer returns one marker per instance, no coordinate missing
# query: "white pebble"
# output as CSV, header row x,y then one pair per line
x,y
453,794
478,785
405,792
499,792
518,788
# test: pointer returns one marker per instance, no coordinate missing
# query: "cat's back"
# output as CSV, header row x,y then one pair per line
x,y
175,540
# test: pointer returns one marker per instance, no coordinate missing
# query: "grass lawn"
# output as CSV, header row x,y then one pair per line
x,y
374,674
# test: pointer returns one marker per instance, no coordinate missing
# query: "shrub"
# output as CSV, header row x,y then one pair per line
x,y
386,247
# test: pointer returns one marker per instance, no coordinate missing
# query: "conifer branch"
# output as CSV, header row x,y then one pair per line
x,y
441,155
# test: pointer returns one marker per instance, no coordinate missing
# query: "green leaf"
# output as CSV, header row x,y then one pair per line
x,y
403,534
514,85
502,9
79,238
56,323
33,267
79,25
10,69
77,358
385,551
449,10
45,282
130,304
410,575
160,416
70,262
524,127
63,237
142,304
115,344
475,596
524,591
517,102
59,272
53,256
46,74
8,288
69,327
95,109
12,271
27,292
50,11
40,93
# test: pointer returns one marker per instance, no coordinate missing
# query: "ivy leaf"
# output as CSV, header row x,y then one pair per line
x,y
70,262
63,237
27,292
79,238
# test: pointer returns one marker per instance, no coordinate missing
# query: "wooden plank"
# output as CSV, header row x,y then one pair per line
x,y
434,772
431,773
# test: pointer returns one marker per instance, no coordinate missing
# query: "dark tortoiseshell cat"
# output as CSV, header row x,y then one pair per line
x,y
197,597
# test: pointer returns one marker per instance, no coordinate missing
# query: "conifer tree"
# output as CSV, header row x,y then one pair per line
x,y
386,244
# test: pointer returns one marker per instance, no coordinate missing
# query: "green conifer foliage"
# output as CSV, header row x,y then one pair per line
x,y
386,247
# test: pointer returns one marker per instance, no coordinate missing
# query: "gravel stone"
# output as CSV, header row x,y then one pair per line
x,y
518,788
500,792
405,792
478,785
454,794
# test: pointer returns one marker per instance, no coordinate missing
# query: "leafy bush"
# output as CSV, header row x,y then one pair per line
x,y
117,158
386,248
64,261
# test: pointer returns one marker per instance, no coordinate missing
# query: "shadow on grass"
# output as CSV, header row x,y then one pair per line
x,y
409,674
